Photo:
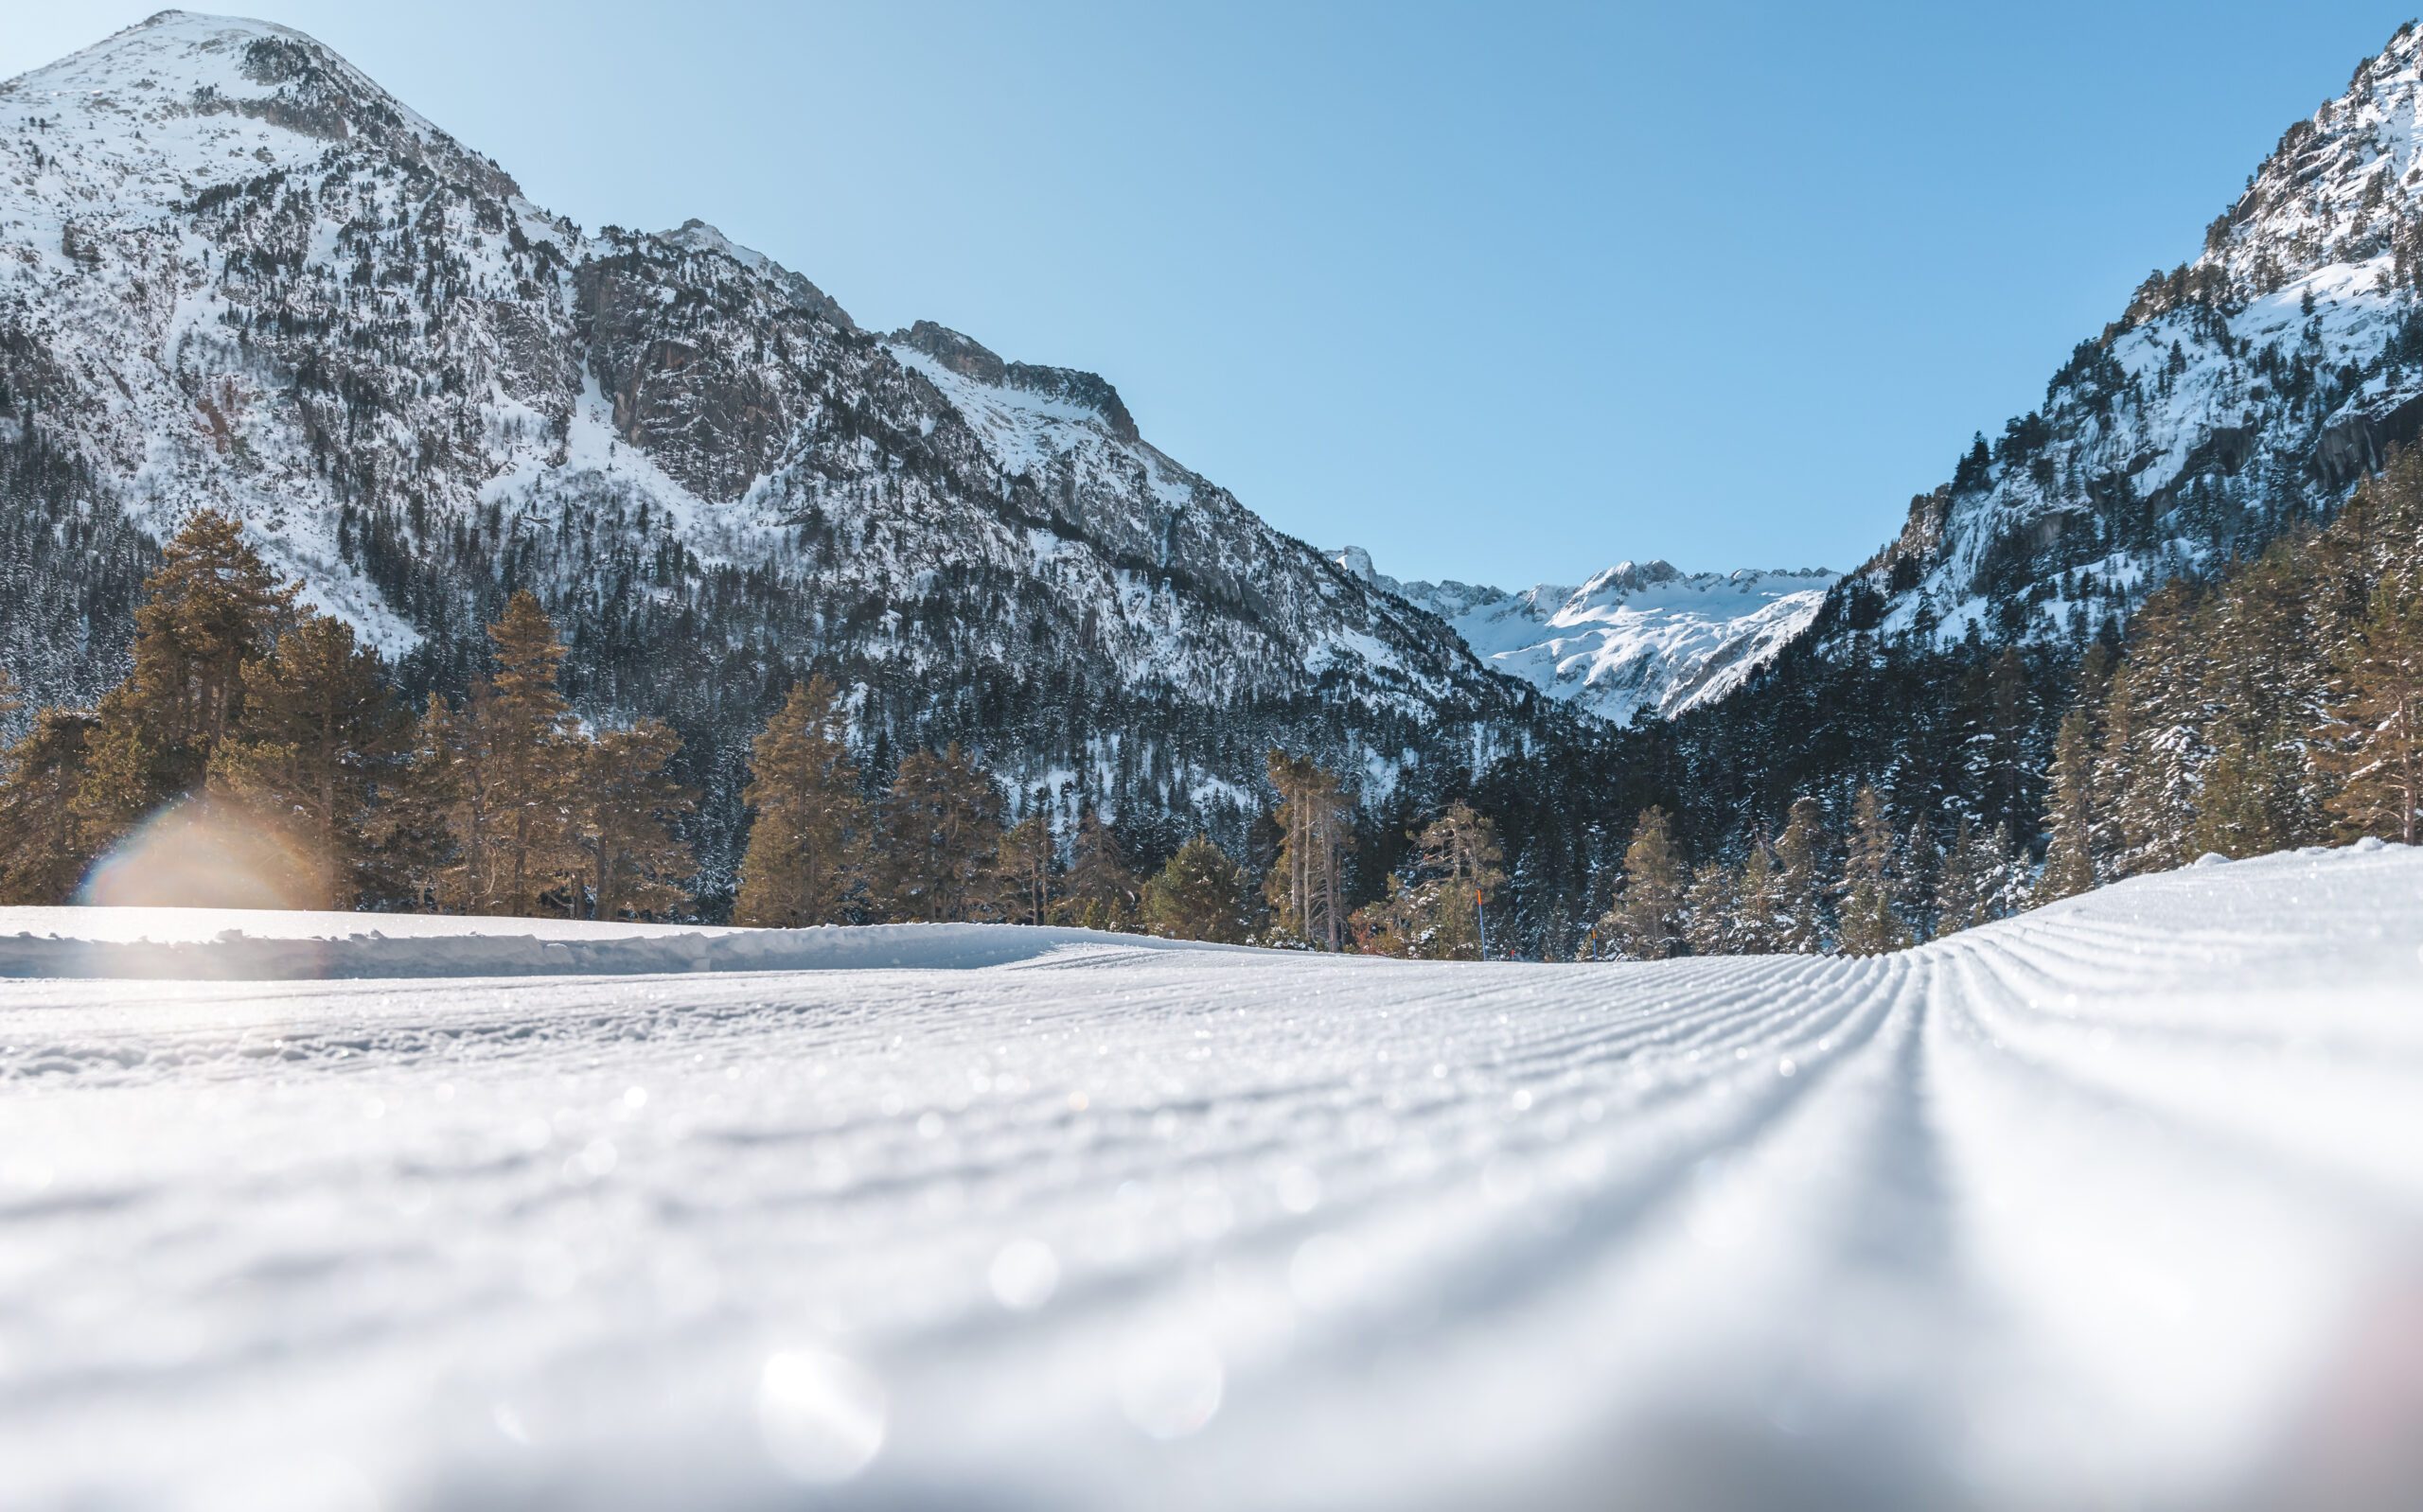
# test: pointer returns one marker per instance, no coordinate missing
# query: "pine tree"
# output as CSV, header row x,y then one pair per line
x,y
806,862
1712,923
1098,891
414,832
1199,894
503,779
1800,883
315,750
43,849
1307,884
208,612
626,804
1645,923
941,829
1029,870
1432,909
1981,881
2070,853
2377,717
1458,863
1763,912
2154,750
1869,923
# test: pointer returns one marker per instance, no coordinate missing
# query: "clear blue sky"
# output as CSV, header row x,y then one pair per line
x,y
1502,292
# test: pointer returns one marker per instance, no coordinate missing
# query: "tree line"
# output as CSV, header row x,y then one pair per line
x,y
250,723
2274,702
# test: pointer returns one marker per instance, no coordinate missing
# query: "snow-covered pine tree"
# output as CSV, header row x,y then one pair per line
x,y
2377,683
1869,925
1800,883
1645,922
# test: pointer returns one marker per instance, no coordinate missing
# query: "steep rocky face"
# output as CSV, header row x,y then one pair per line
x,y
1638,638
2239,392
235,273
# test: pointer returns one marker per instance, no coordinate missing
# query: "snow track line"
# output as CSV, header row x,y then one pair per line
x,y
2091,1206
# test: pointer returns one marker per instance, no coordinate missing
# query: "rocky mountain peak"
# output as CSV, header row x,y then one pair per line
x,y
695,235
178,67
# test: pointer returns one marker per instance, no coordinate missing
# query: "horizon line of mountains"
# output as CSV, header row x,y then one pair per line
x,y
236,274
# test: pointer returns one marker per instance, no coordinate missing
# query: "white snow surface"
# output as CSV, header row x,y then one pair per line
x,y
2112,1204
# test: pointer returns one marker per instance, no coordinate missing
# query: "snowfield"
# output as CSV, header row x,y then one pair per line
x,y
2113,1205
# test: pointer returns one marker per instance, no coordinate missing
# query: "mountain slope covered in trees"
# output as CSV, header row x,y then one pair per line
x,y
237,275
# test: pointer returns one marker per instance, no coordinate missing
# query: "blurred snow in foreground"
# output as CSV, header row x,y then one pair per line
x,y
2113,1205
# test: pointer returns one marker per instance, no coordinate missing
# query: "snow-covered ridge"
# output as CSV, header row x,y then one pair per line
x,y
2245,390
1638,637
2113,1204
237,944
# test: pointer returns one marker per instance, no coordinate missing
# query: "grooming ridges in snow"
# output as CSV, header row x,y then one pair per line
x,y
2114,1202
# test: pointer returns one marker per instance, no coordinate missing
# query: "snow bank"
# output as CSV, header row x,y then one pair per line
x,y
250,945
2116,1205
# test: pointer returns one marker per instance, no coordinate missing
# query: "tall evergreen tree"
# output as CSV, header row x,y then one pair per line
x,y
503,781
1645,923
1712,910
1098,891
1764,911
941,829
44,848
2378,685
624,813
315,748
809,845
1029,870
1869,925
1307,886
1432,910
209,612
1981,879
2070,853
1800,881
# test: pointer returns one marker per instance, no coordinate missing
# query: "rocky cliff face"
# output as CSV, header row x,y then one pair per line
x,y
2239,392
233,273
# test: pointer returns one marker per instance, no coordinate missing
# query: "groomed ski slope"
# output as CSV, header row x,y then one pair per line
x,y
2115,1205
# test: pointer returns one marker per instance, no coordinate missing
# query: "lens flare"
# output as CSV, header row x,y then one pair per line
x,y
209,854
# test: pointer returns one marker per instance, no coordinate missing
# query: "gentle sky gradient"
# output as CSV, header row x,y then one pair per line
x,y
1502,292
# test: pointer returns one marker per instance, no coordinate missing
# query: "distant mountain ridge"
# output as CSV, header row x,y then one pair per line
x,y
1638,638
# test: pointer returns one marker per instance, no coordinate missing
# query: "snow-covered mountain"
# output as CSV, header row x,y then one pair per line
x,y
1638,637
2244,389
235,273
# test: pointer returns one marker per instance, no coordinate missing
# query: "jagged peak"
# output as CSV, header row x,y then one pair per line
x,y
695,235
